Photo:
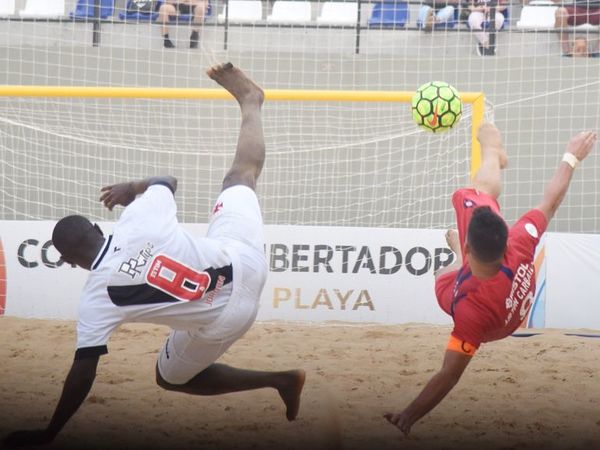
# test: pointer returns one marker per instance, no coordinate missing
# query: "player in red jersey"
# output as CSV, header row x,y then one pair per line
x,y
489,289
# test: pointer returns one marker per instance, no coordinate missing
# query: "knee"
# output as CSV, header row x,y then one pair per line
x,y
200,12
166,10
475,21
561,17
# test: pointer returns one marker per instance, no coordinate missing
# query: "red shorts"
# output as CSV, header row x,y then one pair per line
x,y
579,15
444,285
464,202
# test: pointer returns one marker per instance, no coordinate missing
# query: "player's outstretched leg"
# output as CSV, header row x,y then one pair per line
x,y
219,379
488,178
250,152
453,241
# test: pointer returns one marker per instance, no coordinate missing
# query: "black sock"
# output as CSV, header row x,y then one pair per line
x,y
167,42
194,39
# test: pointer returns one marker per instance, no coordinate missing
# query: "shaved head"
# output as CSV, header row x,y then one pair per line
x,y
77,239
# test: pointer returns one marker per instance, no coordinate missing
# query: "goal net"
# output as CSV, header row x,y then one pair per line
x,y
328,162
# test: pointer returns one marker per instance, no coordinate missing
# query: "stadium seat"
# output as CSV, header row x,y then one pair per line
x,y
538,15
43,9
338,13
242,11
85,9
290,12
132,13
389,14
7,7
446,25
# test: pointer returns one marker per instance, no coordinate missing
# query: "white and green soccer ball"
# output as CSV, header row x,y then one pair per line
x,y
436,106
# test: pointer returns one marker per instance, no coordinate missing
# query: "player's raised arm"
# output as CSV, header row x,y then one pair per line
x,y
578,148
125,193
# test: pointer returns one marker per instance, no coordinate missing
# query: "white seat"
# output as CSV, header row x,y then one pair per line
x,y
242,11
538,15
7,7
290,12
43,9
586,27
338,13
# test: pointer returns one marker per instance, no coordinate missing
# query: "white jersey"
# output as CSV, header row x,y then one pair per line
x,y
151,270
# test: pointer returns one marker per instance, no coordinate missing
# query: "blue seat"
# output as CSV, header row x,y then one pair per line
x,y
446,25
85,9
389,14
130,13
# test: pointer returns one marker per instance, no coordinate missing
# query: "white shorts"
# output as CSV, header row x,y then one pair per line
x,y
237,223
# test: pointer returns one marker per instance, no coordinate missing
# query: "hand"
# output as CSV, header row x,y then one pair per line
x,y
26,438
118,194
581,144
401,421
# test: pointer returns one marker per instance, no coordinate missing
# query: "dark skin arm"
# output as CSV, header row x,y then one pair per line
x,y
78,383
434,392
125,193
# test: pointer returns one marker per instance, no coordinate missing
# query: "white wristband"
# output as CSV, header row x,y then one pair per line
x,y
570,159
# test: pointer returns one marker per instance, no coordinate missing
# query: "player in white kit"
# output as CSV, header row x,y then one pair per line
x,y
151,270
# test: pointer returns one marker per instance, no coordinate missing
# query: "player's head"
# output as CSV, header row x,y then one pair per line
x,y
76,239
487,235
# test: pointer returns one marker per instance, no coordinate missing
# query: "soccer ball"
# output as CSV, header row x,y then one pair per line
x,y
436,106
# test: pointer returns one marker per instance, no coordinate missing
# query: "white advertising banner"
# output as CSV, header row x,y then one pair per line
x,y
573,280
320,274
316,273
353,274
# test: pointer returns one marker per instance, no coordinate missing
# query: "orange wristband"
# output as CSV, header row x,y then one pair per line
x,y
457,345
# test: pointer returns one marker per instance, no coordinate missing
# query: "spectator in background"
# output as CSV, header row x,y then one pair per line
x,y
173,8
579,13
581,49
479,20
434,12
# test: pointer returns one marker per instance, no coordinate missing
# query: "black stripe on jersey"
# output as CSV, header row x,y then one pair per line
x,y
165,184
106,247
226,272
91,352
144,294
138,294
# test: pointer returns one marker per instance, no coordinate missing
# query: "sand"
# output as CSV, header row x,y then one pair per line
x,y
526,393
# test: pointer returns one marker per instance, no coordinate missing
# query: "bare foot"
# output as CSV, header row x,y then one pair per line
x,y
237,83
491,141
453,241
290,392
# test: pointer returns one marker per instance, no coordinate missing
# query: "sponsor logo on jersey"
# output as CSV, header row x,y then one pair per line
x,y
468,203
134,266
532,230
217,207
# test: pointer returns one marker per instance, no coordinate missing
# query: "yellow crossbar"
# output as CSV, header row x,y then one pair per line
x,y
475,98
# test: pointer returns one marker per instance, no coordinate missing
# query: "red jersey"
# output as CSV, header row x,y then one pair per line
x,y
491,309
